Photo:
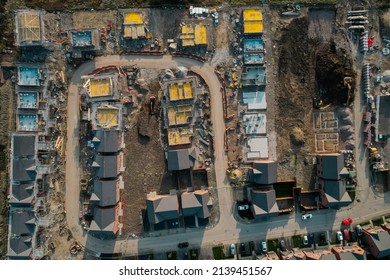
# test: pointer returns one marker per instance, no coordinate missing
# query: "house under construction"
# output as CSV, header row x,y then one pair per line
x,y
106,116
29,28
133,25
253,21
178,111
101,87
192,36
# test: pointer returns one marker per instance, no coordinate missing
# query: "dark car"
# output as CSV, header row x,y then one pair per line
x,y
347,236
282,245
183,245
311,238
322,238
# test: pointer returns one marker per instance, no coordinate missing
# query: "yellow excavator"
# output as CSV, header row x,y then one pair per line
x,y
348,85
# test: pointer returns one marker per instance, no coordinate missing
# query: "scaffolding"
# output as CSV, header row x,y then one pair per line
x,y
134,27
180,91
191,36
179,115
187,36
28,27
107,116
179,136
100,87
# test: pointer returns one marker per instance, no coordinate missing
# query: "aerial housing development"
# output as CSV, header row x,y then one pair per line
x,y
221,132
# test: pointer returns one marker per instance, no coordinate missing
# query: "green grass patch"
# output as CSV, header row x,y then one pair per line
x,y
218,253
272,244
377,222
172,255
297,241
194,254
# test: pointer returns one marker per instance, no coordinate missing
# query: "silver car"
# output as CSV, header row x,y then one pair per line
x,y
339,236
305,240
307,216
233,249
264,248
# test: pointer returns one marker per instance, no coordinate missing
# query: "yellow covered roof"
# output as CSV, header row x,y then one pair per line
x,y
252,15
133,18
179,136
100,87
200,34
253,27
187,29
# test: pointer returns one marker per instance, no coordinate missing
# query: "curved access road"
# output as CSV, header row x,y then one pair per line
x,y
227,230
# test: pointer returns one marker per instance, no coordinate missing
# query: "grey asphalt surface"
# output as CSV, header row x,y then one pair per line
x,y
228,230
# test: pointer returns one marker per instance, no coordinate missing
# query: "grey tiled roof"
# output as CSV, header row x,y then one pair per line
x,y
264,203
105,193
264,173
103,220
22,222
106,166
196,204
19,246
23,170
180,159
162,208
333,166
106,141
336,193
23,145
22,193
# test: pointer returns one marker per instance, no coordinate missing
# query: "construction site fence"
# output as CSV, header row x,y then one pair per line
x,y
155,53
188,55
107,68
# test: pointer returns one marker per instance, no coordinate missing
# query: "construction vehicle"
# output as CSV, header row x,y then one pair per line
x,y
347,82
376,160
152,102
318,103
292,10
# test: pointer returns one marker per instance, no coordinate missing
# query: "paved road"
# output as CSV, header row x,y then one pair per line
x,y
228,230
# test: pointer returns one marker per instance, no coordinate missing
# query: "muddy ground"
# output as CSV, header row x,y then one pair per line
x,y
312,57
144,162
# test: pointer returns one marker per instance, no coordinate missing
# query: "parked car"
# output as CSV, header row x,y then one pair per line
x,y
233,249
347,236
311,238
347,221
322,238
307,216
305,240
264,248
243,207
339,236
242,249
359,231
183,245
282,245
